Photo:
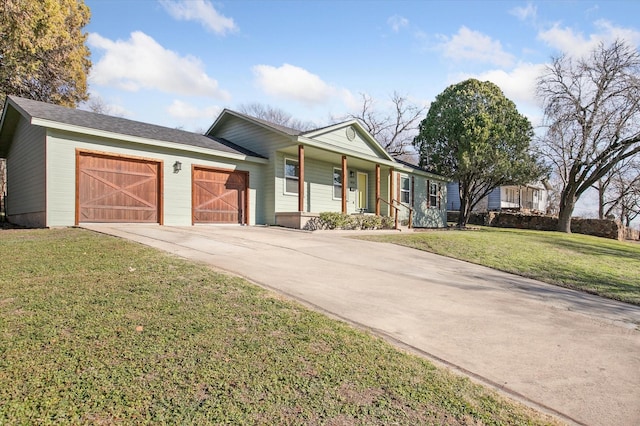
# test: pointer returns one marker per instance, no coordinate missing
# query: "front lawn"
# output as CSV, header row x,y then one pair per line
x,y
97,330
597,265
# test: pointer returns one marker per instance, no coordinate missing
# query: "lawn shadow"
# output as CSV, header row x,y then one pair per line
x,y
577,300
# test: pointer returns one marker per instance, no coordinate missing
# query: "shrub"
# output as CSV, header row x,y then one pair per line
x,y
333,220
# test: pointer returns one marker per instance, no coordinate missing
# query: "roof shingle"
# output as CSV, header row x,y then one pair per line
x,y
123,126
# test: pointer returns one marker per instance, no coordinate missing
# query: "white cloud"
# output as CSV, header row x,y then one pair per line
x,y
474,46
182,110
519,85
525,13
142,63
397,22
201,11
566,40
611,32
574,43
294,83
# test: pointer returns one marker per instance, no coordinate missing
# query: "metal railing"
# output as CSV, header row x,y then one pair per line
x,y
410,224
397,209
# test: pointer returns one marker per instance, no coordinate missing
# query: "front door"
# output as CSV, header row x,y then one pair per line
x,y
362,195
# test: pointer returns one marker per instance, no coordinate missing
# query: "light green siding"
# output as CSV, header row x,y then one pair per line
x,y
426,216
318,188
319,195
251,136
338,139
176,197
266,143
26,178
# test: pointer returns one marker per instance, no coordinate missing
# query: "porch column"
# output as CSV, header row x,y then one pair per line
x,y
392,211
377,189
344,184
300,178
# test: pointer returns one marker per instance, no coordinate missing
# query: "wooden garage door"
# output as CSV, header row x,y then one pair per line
x,y
117,189
219,196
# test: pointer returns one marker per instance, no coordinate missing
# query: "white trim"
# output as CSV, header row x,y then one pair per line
x,y
345,124
333,183
285,176
408,190
136,139
366,191
436,185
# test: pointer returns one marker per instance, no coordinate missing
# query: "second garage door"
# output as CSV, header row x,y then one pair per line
x,y
219,196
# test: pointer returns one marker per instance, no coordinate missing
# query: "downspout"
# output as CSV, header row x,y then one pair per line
x,y
344,184
377,189
300,178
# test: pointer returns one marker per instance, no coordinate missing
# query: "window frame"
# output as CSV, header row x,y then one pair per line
x,y
338,171
434,189
288,178
407,191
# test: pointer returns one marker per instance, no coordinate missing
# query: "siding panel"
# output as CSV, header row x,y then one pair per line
x,y
61,151
339,139
252,137
425,216
26,176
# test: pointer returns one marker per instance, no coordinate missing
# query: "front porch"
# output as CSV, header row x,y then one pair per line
x,y
295,220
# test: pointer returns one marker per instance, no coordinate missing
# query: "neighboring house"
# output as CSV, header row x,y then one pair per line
x,y
528,198
66,167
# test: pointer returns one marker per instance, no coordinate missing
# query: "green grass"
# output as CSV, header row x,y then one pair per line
x,y
596,265
97,330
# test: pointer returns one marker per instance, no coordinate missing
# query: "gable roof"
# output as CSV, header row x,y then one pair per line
x,y
414,168
311,134
49,115
309,137
288,131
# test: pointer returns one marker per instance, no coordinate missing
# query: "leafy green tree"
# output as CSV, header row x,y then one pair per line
x,y
43,55
474,135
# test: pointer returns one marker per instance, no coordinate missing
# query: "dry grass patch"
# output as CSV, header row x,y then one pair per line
x,y
97,330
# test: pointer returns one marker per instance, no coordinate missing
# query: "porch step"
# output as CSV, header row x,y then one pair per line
x,y
404,228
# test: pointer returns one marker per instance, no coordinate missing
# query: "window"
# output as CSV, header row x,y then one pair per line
x,y
291,174
433,195
337,183
405,190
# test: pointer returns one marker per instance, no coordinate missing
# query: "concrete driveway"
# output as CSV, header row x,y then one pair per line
x,y
574,355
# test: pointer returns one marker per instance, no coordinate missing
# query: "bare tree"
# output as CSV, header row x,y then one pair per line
x,y
613,187
95,103
553,196
592,113
276,116
394,129
619,192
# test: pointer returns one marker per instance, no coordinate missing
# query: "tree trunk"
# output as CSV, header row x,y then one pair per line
x,y
465,209
601,189
567,204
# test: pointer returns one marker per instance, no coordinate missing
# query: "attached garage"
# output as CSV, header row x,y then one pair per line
x,y
220,196
117,189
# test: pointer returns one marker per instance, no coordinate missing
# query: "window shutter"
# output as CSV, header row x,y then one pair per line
x,y
398,189
428,193
413,185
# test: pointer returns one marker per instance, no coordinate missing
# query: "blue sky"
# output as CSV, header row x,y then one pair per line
x,y
178,63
